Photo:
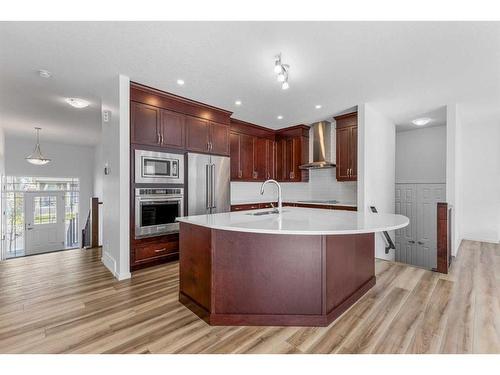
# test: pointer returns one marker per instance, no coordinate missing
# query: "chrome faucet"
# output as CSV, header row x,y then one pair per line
x,y
280,202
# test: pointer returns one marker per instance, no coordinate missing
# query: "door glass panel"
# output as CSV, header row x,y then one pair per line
x,y
45,210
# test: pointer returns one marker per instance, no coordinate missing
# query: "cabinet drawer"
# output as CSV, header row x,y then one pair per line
x,y
154,250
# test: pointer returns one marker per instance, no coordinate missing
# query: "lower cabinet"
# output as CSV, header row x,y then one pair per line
x,y
154,250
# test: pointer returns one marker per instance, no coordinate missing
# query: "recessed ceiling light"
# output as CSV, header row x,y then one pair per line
x,y
317,106
44,73
421,121
180,82
238,102
280,117
77,102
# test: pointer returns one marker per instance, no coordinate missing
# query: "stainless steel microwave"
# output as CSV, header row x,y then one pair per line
x,y
158,167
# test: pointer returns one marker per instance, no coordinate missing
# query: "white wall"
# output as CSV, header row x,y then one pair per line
x,y
98,183
67,161
421,155
2,173
115,185
376,167
454,173
480,181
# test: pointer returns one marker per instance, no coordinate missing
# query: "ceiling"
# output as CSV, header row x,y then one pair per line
x,y
404,69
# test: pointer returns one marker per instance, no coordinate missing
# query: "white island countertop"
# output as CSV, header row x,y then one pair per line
x,y
302,221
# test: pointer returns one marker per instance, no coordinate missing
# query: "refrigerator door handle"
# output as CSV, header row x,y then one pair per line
x,y
212,180
208,185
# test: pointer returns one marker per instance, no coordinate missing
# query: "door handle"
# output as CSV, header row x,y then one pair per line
x,y
212,170
207,186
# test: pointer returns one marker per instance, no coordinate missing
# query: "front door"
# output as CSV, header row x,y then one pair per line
x,y
44,222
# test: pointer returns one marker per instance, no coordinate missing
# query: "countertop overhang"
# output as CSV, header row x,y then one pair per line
x,y
300,221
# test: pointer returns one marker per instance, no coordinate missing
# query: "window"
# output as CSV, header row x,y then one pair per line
x,y
45,210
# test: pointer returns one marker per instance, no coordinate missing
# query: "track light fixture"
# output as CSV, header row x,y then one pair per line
x,y
282,72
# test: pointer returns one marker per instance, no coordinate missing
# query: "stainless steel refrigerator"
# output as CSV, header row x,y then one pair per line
x,y
208,184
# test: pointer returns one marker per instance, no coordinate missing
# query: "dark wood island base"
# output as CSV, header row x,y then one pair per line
x,y
240,278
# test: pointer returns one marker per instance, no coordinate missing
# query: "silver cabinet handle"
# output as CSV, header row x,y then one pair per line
x,y
160,250
161,137
158,139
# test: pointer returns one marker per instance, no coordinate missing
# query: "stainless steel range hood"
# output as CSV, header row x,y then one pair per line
x,y
322,138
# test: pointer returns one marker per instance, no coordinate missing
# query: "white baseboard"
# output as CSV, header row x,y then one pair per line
x,y
487,240
109,262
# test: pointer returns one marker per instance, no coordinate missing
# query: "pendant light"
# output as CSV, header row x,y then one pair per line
x,y
36,157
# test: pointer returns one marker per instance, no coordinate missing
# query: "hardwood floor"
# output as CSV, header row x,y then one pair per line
x,y
69,303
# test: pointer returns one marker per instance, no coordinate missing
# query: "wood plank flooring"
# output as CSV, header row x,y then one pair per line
x,y
68,302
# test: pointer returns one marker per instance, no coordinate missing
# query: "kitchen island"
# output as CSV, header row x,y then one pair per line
x,y
300,267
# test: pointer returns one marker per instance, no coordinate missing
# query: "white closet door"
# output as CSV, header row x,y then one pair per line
x,y
428,195
406,203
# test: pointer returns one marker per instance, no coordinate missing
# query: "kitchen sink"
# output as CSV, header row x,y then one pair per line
x,y
261,213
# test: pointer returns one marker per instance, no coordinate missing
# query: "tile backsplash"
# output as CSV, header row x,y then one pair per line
x,y
322,185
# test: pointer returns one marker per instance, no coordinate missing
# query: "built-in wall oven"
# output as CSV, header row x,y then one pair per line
x,y
156,210
158,167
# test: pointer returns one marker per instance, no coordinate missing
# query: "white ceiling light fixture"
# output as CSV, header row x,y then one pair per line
x,y
180,82
282,71
421,121
317,106
237,102
77,102
280,117
44,73
37,157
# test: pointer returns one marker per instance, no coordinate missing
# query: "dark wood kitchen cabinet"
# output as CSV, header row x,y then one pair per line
x,y
207,136
347,147
292,150
145,124
173,132
252,152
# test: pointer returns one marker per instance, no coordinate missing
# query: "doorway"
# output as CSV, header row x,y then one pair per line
x,y
44,222
420,186
41,215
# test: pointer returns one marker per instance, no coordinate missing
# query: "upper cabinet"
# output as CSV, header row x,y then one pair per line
x,y
145,124
347,147
164,120
259,154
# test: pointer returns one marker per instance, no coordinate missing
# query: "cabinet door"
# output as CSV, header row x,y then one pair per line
x,y
246,157
288,160
296,159
145,124
271,159
197,134
234,153
219,138
260,159
353,153
172,129
280,159
343,159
